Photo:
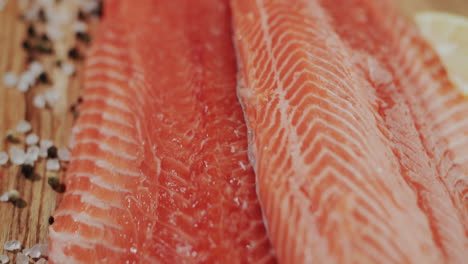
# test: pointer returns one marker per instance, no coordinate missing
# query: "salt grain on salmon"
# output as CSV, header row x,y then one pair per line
x,y
17,156
23,127
12,245
10,79
41,261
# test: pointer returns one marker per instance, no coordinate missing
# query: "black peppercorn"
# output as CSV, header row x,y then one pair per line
x,y
42,16
31,31
74,53
44,78
27,170
52,152
83,37
26,45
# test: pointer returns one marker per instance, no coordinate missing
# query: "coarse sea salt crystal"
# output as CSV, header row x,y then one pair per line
x,y
34,253
80,27
68,69
17,156
39,101
5,197
31,14
32,139
45,144
51,96
36,68
4,259
54,32
88,6
53,165
41,261
3,158
9,196
32,154
39,250
3,4
25,81
64,154
22,259
12,245
23,126
43,152
29,161
46,2
10,79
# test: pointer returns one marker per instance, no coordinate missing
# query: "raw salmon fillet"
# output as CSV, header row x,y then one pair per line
x,y
358,139
159,170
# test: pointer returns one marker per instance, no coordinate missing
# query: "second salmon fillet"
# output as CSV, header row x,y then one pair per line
x,y
358,139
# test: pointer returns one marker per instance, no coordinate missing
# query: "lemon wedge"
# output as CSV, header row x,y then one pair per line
x,y
448,34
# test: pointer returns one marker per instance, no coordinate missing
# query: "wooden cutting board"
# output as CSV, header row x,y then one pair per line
x,y
29,224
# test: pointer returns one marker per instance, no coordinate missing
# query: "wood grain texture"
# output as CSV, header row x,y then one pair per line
x,y
29,224
453,6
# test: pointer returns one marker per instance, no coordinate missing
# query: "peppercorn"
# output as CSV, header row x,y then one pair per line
x,y
83,37
52,152
31,31
27,170
44,78
42,15
74,53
